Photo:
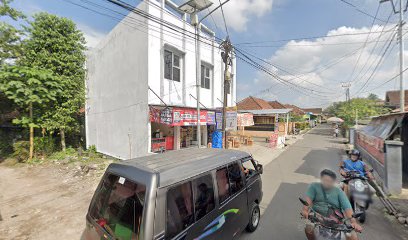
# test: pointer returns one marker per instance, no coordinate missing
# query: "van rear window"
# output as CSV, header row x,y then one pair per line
x,y
118,207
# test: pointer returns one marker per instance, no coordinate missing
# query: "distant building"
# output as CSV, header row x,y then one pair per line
x,y
253,103
295,109
392,99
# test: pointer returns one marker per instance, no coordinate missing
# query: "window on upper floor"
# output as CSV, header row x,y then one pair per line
x,y
206,75
172,66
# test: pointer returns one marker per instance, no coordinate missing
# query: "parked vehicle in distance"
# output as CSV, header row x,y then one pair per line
x,y
186,194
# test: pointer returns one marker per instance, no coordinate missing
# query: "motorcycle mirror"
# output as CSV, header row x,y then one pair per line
x,y
304,202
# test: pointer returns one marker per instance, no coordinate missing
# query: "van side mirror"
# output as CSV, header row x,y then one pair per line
x,y
259,168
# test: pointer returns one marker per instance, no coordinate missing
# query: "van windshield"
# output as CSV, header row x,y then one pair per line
x,y
118,207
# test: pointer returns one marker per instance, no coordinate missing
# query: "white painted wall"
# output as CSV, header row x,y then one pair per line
x,y
129,61
116,104
178,93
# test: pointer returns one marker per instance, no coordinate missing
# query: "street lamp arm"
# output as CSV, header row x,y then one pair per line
x,y
212,11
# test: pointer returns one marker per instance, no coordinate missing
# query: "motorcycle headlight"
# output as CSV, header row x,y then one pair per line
x,y
359,186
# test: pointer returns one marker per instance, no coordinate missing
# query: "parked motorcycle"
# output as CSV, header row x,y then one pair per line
x,y
329,228
359,193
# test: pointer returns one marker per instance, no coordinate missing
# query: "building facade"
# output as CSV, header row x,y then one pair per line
x,y
141,84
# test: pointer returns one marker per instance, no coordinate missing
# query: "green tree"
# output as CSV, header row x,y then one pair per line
x,y
10,37
361,108
56,44
373,96
29,88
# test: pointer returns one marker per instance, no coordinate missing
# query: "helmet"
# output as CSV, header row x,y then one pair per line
x,y
355,152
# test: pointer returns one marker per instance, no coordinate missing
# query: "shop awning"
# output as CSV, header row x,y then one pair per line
x,y
383,126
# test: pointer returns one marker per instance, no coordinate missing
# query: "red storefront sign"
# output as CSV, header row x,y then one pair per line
x,y
188,117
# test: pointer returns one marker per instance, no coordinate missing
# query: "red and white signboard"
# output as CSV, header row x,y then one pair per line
x,y
188,117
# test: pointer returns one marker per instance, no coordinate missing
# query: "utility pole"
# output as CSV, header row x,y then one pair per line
x,y
402,91
226,55
347,86
401,48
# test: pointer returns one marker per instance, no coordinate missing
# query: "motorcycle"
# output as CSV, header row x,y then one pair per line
x,y
327,228
359,193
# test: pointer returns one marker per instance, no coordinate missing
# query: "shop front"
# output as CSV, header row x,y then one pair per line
x,y
174,128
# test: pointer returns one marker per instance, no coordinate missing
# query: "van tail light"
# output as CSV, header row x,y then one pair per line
x,y
102,222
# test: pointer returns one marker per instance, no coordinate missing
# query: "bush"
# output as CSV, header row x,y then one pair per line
x,y
69,152
301,125
21,150
44,146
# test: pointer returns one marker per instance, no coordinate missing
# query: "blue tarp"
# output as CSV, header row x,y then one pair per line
x,y
217,139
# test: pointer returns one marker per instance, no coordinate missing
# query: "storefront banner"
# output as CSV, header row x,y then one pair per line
x,y
188,117
218,119
245,119
231,120
154,114
210,118
166,116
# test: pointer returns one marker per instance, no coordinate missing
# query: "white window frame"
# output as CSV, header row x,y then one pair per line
x,y
173,67
204,78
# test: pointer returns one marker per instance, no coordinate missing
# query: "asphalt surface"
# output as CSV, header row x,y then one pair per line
x,y
287,177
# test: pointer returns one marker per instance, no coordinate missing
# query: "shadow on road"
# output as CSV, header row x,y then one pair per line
x,y
317,160
282,222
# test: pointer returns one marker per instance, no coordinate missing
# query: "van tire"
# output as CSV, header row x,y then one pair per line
x,y
254,217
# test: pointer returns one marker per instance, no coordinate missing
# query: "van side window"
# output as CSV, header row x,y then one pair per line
x,y
180,213
235,177
204,196
223,184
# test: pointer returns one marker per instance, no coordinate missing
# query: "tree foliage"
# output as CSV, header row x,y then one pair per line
x,y
10,37
56,44
363,108
27,87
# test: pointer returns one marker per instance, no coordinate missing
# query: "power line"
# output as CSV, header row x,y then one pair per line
x,y
361,11
389,80
223,17
365,44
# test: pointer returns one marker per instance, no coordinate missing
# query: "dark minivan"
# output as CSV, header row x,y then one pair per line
x,y
186,194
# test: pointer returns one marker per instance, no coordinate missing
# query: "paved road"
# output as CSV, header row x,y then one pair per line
x,y
287,177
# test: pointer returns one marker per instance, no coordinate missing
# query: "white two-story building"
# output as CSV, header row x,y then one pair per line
x,y
141,84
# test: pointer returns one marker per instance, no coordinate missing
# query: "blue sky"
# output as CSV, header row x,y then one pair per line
x,y
272,20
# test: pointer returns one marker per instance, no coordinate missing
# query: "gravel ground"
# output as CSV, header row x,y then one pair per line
x,y
42,202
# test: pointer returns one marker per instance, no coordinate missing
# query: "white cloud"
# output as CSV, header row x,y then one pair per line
x,y
238,13
321,62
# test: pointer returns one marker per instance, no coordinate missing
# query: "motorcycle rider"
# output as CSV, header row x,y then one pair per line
x,y
323,197
355,164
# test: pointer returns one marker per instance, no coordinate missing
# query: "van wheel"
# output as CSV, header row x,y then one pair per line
x,y
254,217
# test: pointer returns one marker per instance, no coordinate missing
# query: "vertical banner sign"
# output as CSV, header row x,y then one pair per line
x,y
210,118
218,119
231,121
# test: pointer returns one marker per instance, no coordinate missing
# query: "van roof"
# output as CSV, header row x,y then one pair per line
x,y
175,166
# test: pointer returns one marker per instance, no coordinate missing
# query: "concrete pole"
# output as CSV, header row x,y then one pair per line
x,y
198,82
401,40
